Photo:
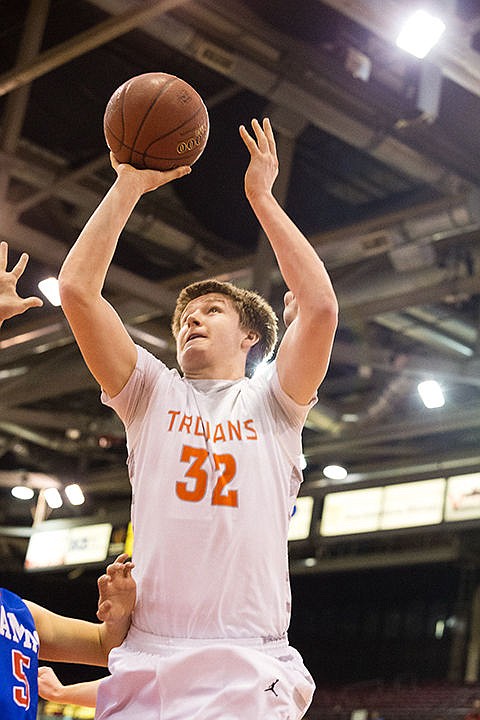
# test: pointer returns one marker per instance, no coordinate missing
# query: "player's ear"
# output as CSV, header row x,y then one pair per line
x,y
251,339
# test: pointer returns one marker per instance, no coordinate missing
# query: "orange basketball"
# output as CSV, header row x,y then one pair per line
x,y
156,121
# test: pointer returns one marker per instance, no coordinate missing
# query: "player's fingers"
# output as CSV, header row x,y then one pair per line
x,y
177,172
113,161
267,129
250,143
123,567
246,137
104,609
45,671
156,178
262,141
3,255
20,266
102,582
32,302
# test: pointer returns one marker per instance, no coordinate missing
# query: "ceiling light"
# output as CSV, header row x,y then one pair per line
x,y
22,493
420,33
335,472
350,417
431,394
53,498
74,494
49,287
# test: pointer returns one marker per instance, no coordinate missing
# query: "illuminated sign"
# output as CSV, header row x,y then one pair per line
x,y
301,519
351,511
68,546
463,497
386,507
412,504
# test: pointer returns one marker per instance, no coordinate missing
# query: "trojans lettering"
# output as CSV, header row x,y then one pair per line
x,y
221,432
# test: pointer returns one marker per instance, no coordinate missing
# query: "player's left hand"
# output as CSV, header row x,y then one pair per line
x,y
10,302
117,591
263,167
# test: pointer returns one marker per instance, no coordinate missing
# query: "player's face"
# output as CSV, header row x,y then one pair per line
x,y
209,343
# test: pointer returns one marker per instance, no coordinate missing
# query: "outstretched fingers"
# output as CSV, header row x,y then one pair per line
x,y
247,139
20,266
117,590
263,139
17,271
267,129
122,565
31,302
3,255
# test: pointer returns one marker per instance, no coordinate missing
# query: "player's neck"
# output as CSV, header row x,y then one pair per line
x,y
218,371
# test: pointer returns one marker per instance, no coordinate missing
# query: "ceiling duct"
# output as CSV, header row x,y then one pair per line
x,y
283,85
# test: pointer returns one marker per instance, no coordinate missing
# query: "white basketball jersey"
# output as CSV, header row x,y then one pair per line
x,y
215,469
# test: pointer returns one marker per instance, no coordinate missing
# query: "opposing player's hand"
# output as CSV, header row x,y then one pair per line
x,y
10,302
49,686
263,167
290,308
117,591
148,180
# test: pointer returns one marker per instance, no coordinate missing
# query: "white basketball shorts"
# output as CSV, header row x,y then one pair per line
x,y
155,678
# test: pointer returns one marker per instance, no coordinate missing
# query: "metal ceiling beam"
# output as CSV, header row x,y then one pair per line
x,y
55,182
354,309
39,244
374,469
100,34
410,427
29,46
382,359
280,82
16,105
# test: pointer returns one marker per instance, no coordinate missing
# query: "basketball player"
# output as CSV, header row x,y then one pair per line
x,y
214,462
10,303
29,631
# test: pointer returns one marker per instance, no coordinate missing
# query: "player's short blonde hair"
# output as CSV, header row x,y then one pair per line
x,y
253,310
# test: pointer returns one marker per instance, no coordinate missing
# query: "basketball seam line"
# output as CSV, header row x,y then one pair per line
x,y
162,91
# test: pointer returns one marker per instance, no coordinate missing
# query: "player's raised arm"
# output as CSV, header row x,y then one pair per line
x,y
304,352
106,346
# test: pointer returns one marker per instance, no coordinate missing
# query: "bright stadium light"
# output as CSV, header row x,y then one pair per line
x,y
75,494
335,472
431,394
53,498
49,288
420,33
21,492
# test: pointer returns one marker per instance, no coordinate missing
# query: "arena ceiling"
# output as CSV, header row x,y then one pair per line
x,y
379,166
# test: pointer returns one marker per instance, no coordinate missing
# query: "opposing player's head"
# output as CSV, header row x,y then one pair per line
x,y
254,312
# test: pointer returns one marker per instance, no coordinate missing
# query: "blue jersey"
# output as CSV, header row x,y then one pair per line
x,y
18,659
